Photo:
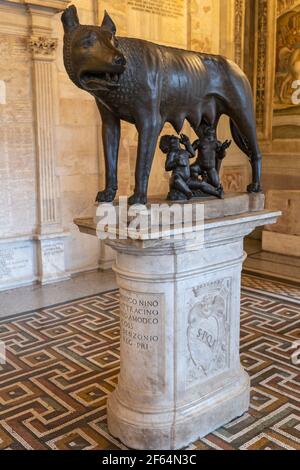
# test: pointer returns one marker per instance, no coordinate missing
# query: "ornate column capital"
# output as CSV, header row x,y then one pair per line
x,y
42,47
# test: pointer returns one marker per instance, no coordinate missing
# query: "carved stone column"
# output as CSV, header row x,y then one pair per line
x,y
50,235
43,51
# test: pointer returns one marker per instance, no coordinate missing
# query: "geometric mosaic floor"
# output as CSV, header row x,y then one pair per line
x,y
63,361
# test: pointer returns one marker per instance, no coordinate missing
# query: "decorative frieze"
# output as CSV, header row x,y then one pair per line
x,y
262,31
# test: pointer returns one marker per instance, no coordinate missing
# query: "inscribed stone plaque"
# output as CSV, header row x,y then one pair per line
x,y
142,343
52,252
163,21
15,262
168,8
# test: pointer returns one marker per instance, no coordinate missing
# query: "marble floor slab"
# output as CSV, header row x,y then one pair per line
x,y
36,296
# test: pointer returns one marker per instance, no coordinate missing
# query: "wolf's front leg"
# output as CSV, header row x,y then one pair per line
x,y
149,131
111,142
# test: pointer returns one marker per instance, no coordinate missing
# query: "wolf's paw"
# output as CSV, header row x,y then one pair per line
x,y
221,193
108,195
137,198
254,188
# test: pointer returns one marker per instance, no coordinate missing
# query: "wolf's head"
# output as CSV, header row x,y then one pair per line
x,y
91,54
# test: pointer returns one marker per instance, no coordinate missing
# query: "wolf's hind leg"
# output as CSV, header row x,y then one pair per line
x,y
244,135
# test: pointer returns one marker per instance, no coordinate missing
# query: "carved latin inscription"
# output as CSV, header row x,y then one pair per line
x,y
168,8
140,319
15,262
208,330
141,337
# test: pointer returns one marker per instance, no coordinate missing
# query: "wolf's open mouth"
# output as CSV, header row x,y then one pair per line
x,y
100,81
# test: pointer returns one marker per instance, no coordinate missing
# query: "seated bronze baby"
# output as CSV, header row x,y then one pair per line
x,y
184,185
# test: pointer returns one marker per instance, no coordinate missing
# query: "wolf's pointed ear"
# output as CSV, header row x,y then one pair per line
x,y
70,19
108,24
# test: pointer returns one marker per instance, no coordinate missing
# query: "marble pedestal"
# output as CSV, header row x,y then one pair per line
x,y
181,376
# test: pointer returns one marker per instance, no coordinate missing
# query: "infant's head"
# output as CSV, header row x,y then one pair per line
x,y
168,143
210,132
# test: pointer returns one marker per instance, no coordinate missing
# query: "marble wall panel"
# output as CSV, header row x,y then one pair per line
x,y
17,163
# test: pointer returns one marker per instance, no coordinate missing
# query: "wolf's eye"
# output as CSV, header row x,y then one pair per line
x,y
89,40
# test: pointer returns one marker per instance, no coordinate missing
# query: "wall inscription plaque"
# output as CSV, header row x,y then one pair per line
x,y
167,8
15,259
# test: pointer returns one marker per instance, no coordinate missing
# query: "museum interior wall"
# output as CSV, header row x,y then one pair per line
x,y
51,164
278,103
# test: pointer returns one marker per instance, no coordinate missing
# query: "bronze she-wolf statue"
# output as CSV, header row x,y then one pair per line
x,y
148,85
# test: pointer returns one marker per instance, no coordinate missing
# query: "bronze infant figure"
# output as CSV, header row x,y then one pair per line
x,y
211,153
148,85
183,184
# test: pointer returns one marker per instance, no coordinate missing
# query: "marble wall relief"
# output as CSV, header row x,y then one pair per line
x,y
208,330
235,178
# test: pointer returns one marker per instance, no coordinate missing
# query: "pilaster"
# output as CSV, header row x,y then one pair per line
x,y
50,234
